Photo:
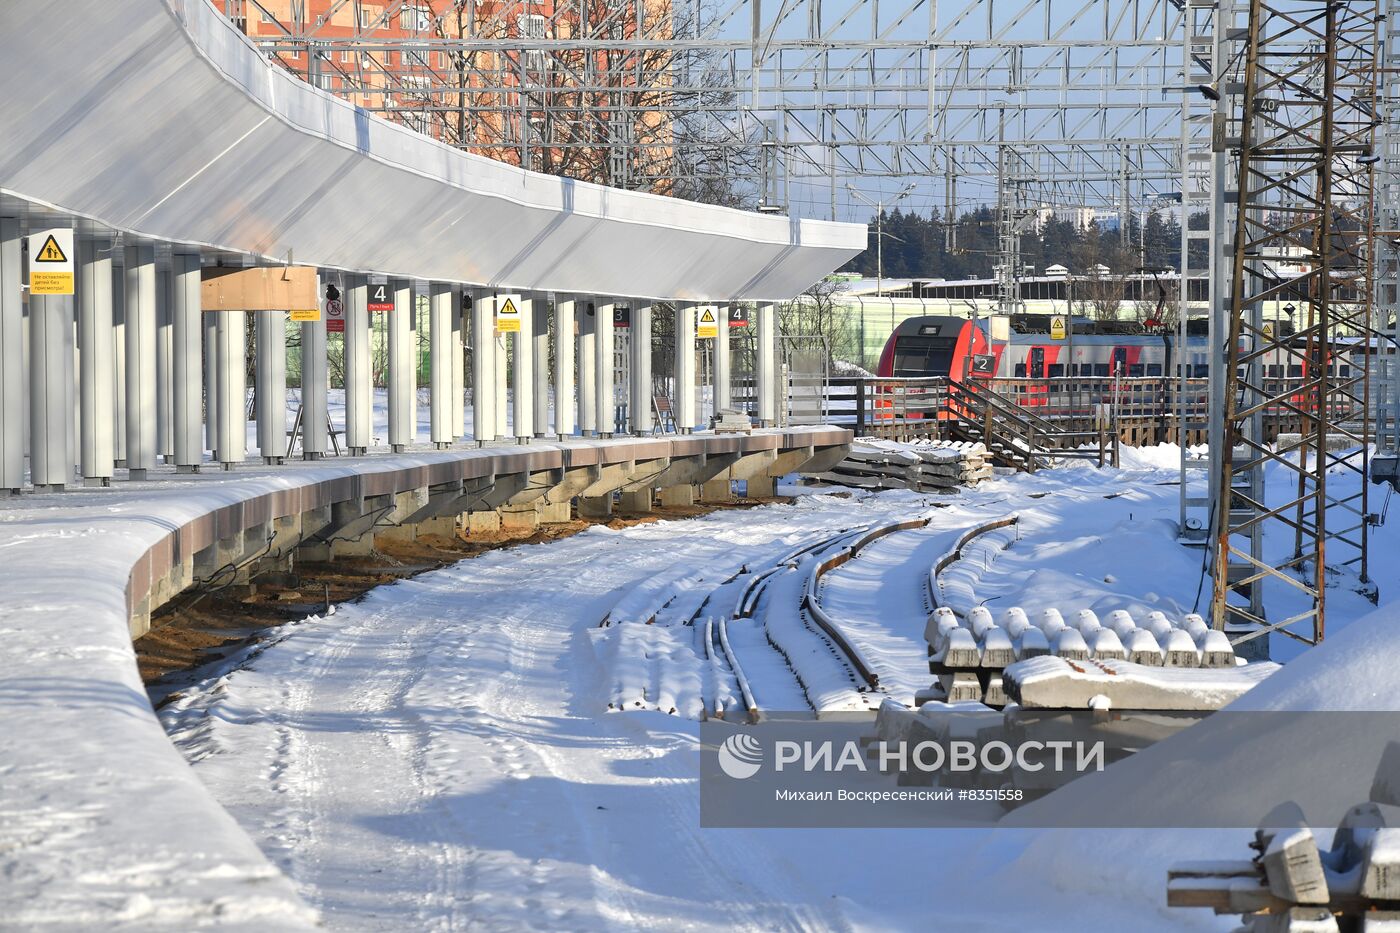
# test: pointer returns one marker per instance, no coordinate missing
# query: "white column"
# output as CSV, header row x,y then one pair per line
x,y
523,383
603,368
564,366
272,385
315,387
640,403
767,374
165,369
140,359
359,393
483,368
97,451
458,373
587,370
50,390
440,365
119,356
185,335
11,358
403,375
723,391
502,371
230,336
539,367
210,326
684,368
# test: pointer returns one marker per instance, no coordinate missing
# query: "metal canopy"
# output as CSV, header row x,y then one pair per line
x,y
157,118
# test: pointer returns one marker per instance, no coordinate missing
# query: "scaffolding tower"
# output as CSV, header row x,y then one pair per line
x,y
1302,230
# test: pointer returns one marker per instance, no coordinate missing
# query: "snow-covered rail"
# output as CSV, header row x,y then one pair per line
x,y
935,584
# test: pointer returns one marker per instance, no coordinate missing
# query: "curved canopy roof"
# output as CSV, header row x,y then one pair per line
x,y
158,118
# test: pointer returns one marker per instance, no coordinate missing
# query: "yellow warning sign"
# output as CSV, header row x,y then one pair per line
x,y
706,323
51,262
508,315
1059,327
306,315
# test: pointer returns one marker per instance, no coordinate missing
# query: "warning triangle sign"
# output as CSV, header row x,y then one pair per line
x,y
508,307
51,251
707,316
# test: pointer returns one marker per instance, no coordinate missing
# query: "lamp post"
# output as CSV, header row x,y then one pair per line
x,y
879,206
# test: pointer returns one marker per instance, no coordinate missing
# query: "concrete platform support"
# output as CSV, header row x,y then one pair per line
x,y
459,364
140,359
678,496
271,389
165,365
722,393
50,390
587,370
539,363
640,403
11,358
683,396
553,513
760,487
717,490
359,393
403,371
440,365
97,449
483,369
767,373
231,441
638,500
315,387
187,399
523,375
596,506
519,517
603,375
564,420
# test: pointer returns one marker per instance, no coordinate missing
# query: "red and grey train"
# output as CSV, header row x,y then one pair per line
x,y
960,349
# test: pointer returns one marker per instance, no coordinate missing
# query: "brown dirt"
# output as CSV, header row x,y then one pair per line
x,y
199,627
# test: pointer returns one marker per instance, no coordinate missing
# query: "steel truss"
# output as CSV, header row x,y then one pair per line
x,y
684,97
1303,232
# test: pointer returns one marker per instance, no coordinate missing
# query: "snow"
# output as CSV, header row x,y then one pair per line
x,y
440,754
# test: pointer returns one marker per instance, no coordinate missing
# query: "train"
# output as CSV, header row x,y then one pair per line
x,y
960,349
957,348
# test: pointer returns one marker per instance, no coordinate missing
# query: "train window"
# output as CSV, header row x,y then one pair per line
x,y
1274,371
1057,370
1295,372
1135,370
1020,371
1202,370
1037,362
1154,369
1100,369
924,356
1344,371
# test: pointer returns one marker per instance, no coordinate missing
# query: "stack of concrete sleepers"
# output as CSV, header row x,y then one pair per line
x,y
968,655
922,467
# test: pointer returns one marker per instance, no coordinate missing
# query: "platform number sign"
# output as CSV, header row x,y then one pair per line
x,y
508,314
1059,327
706,323
738,317
622,316
380,298
51,262
983,364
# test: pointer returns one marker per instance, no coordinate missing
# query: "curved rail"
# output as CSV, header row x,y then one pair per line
x,y
830,626
750,704
955,554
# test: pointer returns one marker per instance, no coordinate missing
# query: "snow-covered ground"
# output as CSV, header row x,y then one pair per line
x,y
440,755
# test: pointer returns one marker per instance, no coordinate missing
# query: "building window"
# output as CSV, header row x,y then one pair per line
x,y
534,26
268,18
415,18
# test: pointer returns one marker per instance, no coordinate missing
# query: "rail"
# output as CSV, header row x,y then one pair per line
x,y
955,554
